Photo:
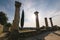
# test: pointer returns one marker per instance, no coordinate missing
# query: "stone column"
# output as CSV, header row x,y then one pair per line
x,y
51,22
17,16
14,35
46,22
37,20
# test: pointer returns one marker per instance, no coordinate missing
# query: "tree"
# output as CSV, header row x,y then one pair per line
x,y
3,18
8,25
22,19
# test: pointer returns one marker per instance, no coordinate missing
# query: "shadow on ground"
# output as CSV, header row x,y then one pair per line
x,y
37,35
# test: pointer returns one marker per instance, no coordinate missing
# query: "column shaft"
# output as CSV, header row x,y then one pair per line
x,y
46,22
51,22
17,16
37,22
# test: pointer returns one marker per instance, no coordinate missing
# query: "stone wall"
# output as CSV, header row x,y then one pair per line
x,y
1,28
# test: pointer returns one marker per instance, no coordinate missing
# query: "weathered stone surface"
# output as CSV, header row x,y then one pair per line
x,y
37,20
17,16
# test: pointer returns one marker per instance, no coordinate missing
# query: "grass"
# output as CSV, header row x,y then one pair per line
x,y
26,30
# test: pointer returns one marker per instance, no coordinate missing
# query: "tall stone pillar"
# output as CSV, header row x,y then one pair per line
x,y
14,35
37,20
17,16
46,22
51,22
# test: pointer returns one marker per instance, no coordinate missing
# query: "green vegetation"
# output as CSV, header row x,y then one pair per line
x,y
22,19
3,21
8,25
3,18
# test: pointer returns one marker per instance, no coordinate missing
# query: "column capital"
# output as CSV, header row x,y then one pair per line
x,y
36,12
45,17
50,18
17,4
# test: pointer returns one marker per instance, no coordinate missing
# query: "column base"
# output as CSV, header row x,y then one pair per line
x,y
14,35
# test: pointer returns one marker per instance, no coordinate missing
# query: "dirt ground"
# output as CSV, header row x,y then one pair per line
x,y
55,35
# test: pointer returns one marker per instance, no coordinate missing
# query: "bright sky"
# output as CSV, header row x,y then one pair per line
x,y
46,8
